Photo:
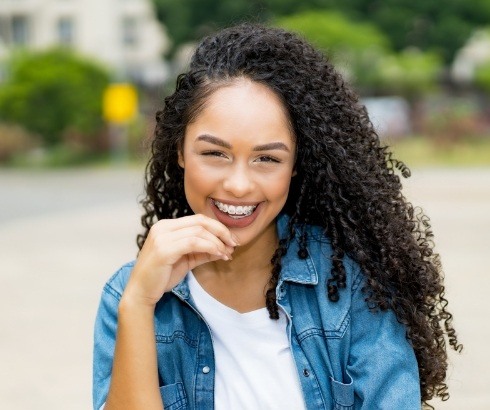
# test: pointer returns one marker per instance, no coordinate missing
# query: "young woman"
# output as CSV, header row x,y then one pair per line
x,y
281,266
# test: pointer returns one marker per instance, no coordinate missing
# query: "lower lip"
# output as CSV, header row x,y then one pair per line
x,y
230,222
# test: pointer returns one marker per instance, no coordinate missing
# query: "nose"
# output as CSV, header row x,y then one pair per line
x,y
238,181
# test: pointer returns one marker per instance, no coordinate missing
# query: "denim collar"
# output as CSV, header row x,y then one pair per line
x,y
294,269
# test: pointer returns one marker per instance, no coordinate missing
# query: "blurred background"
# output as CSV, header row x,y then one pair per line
x,y
80,83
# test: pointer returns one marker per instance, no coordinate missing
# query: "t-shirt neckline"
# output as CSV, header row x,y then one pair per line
x,y
213,306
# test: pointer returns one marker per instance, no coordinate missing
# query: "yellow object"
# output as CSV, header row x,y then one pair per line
x,y
120,103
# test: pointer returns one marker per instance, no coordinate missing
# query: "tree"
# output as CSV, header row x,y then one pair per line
x,y
427,25
482,77
53,92
335,34
410,73
364,54
189,20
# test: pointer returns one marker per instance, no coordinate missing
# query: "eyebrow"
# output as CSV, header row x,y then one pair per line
x,y
265,147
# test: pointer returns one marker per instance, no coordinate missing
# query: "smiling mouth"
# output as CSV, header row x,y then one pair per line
x,y
235,211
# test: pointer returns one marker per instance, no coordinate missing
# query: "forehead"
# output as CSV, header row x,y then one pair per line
x,y
245,109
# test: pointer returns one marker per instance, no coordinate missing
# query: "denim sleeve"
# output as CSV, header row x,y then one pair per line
x,y
104,343
382,362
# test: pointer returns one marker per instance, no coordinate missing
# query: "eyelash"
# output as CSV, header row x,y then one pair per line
x,y
269,159
213,154
264,158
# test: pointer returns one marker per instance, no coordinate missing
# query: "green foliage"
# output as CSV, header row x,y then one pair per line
x,y
409,73
332,32
482,77
189,20
53,93
364,54
427,25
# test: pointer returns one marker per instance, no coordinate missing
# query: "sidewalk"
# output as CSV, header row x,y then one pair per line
x,y
63,234
458,203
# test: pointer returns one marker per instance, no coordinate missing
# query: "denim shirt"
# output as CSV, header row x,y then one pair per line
x,y
346,356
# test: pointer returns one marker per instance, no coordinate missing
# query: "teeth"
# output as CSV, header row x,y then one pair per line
x,y
240,210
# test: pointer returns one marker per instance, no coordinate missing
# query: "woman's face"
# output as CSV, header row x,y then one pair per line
x,y
238,158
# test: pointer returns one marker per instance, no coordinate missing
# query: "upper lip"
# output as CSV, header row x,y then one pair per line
x,y
236,203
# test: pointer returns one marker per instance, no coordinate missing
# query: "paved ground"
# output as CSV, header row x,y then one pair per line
x,y
63,233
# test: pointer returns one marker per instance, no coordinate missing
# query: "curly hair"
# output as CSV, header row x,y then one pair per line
x,y
346,182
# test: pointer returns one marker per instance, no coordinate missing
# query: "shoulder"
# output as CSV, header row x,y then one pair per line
x,y
317,267
117,282
321,254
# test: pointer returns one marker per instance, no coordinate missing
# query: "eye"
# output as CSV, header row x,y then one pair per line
x,y
268,158
213,154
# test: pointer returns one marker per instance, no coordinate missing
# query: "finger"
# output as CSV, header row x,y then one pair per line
x,y
198,259
195,244
218,229
212,225
198,231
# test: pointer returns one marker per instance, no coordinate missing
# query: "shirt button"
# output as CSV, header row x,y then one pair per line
x,y
206,369
306,373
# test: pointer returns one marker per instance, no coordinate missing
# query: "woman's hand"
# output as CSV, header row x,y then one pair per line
x,y
172,248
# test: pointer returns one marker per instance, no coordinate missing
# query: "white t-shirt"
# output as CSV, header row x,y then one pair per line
x,y
255,368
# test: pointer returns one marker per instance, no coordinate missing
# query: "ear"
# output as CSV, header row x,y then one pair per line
x,y
180,158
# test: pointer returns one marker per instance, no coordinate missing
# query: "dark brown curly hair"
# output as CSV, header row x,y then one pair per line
x,y
346,182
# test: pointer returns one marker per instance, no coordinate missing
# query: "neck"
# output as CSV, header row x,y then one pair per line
x,y
241,283
251,262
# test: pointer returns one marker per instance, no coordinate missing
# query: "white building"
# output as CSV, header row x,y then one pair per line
x,y
122,34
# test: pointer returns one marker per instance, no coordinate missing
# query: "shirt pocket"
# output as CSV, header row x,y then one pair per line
x,y
343,394
173,396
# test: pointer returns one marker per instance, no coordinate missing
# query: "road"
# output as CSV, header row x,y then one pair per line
x,y
62,233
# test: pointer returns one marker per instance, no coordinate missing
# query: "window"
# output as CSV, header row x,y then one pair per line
x,y
20,30
130,31
65,31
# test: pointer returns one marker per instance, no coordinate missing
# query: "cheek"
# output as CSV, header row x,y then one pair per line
x,y
193,180
198,183
277,186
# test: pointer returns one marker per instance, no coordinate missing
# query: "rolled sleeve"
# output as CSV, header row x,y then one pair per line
x,y
104,343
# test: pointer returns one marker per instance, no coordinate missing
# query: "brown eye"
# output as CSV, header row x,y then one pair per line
x,y
267,158
213,154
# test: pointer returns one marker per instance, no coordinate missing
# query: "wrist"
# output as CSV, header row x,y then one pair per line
x,y
131,301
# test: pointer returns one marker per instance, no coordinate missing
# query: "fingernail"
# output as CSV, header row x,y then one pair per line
x,y
235,239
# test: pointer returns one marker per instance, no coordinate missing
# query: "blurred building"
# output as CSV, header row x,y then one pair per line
x,y
123,34
390,116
